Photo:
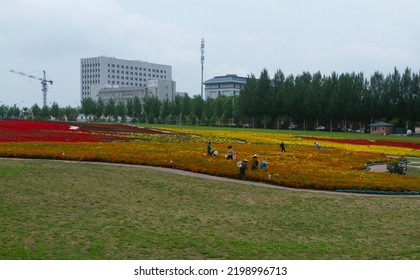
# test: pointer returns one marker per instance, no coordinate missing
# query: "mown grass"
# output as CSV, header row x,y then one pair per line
x,y
68,210
413,171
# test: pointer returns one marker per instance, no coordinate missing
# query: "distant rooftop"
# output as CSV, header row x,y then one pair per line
x,y
229,78
381,124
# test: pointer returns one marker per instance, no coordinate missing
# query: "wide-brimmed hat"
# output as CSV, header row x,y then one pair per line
x,y
255,155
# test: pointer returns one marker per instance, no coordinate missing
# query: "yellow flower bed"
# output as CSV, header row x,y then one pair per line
x,y
299,167
274,138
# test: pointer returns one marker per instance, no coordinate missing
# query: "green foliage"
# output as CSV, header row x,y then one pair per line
x,y
336,101
397,166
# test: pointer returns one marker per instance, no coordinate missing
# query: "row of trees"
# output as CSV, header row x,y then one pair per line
x,y
343,100
36,112
182,110
348,100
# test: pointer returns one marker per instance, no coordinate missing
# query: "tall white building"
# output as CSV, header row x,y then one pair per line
x,y
101,72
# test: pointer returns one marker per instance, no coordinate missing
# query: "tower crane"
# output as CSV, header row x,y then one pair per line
x,y
43,80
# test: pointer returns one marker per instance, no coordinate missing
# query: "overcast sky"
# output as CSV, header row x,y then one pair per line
x,y
242,37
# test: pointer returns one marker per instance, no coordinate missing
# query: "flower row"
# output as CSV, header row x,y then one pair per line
x,y
329,169
337,165
24,131
275,138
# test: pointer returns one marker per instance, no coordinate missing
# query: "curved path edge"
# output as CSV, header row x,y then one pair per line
x,y
215,178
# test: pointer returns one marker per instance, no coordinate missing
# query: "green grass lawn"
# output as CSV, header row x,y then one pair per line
x,y
63,210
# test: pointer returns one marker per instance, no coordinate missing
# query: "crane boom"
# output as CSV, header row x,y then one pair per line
x,y
44,83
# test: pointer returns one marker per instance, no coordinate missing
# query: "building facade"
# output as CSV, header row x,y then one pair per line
x,y
97,73
121,94
228,85
383,128
163,90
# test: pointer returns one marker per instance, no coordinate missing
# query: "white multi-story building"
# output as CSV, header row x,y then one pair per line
x,y
228,85
101,72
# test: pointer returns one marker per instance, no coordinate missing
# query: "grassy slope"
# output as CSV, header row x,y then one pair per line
x,y
59,210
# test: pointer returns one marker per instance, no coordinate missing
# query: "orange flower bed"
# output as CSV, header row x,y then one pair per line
x,y
299,167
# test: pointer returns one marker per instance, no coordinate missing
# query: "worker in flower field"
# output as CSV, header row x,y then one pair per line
x,y
209,149
229,154
263,165
254,165
243,166
317,145
283,147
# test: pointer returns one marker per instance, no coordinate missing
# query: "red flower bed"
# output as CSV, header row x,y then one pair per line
x,y
113,127
27,131
382,142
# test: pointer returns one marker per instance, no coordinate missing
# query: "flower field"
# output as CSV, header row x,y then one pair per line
x,y
337,166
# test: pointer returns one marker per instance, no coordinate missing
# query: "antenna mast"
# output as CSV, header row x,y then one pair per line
x,y
202,65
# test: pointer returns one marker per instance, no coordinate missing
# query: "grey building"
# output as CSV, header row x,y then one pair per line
x,y
110,73
121,94
228,85
163,90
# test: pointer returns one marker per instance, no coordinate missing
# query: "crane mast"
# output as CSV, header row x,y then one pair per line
x,y
44,83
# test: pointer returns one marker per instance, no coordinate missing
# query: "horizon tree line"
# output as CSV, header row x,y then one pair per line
x,y
343,101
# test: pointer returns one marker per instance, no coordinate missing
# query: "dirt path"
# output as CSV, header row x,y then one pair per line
x,y
209,177
412,162
378,168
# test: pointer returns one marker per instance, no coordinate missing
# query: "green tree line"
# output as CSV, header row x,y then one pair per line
x,y
307,101
343,101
